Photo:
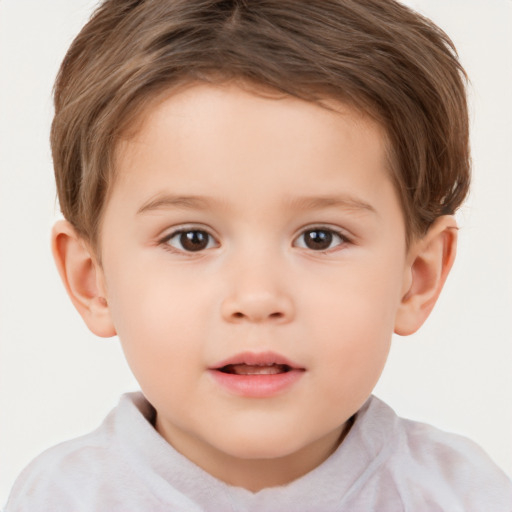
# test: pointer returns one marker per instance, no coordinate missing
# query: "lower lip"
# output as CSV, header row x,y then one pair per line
x,y
257,386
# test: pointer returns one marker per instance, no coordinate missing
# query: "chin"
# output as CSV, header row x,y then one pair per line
x,y
261,446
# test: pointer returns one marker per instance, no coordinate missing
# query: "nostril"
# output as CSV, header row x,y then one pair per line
x,y
276,315
256,307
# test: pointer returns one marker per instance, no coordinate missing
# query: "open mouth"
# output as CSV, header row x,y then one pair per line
x,y
257,374
255,369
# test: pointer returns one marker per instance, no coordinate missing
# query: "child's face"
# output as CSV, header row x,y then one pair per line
x,y
244,229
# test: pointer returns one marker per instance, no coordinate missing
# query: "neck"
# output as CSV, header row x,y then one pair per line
x,y
257,474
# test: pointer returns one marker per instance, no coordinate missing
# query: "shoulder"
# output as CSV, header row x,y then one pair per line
x,y
447,470
64,474
71,475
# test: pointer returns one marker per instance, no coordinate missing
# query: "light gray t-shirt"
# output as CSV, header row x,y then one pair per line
x,y
385,464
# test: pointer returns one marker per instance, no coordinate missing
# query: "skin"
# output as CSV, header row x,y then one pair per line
x,y
257,177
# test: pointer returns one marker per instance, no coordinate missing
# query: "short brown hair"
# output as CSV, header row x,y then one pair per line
x,y
375,55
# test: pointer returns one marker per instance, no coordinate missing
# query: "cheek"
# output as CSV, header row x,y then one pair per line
x,y
148,296
358,300
157,322
353,322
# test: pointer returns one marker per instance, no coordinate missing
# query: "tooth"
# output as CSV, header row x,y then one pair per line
x,y
245,369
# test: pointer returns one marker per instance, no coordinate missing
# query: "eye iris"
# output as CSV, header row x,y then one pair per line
x,y
194,240
318,239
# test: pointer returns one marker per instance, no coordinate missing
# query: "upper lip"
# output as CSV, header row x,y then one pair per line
x,y
257,359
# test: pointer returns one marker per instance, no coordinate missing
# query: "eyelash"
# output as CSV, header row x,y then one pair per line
x,y
332,234
165,242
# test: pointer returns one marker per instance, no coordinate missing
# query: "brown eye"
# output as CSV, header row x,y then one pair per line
x,y
319,239
191,240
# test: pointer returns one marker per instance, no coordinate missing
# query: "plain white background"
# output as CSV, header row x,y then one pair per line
x,y
58,381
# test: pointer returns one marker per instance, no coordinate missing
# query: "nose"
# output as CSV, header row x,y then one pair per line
x,y
257,295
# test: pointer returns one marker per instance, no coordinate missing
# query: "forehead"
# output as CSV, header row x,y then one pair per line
x,y
201,123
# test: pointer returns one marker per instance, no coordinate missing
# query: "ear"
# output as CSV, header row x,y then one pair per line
x,y
429,261
83,278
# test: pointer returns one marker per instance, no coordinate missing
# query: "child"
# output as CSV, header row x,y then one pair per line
x,y
257,194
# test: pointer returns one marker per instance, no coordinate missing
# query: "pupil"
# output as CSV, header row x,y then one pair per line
x,y
194,240
318,239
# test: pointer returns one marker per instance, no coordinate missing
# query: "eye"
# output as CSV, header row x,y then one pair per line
x,y
319,239
190,240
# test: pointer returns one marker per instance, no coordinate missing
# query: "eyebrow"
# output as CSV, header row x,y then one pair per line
x,y
345,202
171,201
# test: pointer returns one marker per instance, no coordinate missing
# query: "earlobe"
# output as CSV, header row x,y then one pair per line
x,y
429,262
82,277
